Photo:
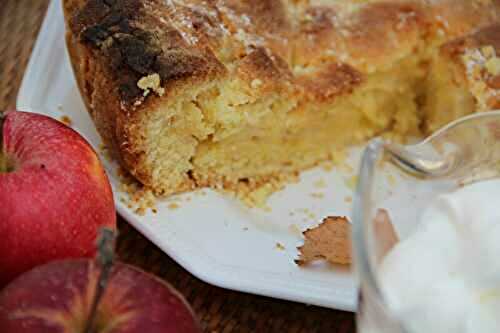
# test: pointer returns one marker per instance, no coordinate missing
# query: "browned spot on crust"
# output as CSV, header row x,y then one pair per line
x,y
103,13
272,70
453,48
330,82
494,82
66,120
318,19
114,28
378,19
267,15
489,36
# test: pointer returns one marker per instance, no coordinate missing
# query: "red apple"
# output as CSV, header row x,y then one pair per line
x,y
57,298
54,194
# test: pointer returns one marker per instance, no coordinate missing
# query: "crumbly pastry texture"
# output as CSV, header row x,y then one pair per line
x,y
330,241
243,93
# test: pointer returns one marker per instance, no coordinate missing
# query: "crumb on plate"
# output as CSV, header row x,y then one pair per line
x,y
136,196
331,241
320,183
352,182
66,120
280,246
173,205
318,195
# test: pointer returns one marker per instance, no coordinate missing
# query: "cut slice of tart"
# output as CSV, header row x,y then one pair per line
x,y
230,93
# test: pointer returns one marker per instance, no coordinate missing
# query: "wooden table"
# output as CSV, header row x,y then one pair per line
x,y
219,310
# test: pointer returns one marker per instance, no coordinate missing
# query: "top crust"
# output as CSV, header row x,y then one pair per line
x,y
479,55
133,43
308,51
305,47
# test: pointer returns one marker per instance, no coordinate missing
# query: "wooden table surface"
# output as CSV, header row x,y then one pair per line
x,y
219,310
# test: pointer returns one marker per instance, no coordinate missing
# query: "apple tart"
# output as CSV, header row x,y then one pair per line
x,y
229,93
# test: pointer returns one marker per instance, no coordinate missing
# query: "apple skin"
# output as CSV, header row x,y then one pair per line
x,y
56,199
56,298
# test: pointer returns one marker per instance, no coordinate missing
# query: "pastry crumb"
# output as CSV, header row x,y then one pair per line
x,y
137,197
280,246
391,179
151,82
103,149
330,241
320,183
318,195
173,205
488,51
348,199
267,209
327,166
493,66
66,120
309,214
352,182
256,83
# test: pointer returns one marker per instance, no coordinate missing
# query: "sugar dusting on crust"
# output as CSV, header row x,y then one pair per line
x,y
180,22
138,42
482,65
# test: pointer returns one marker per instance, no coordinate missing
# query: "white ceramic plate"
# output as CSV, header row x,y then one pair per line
x,y
213,236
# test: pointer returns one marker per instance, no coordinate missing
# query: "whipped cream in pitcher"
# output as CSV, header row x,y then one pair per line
x,y
445,277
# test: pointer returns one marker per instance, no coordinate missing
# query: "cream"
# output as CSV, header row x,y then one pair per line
x,y
445,277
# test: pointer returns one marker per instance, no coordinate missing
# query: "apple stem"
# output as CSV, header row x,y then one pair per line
x,y
106,259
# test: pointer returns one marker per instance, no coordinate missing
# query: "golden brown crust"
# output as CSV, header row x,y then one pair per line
x,y
95,86
141,37
132,43
332,81
473,53
489,36
313,53
113,43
